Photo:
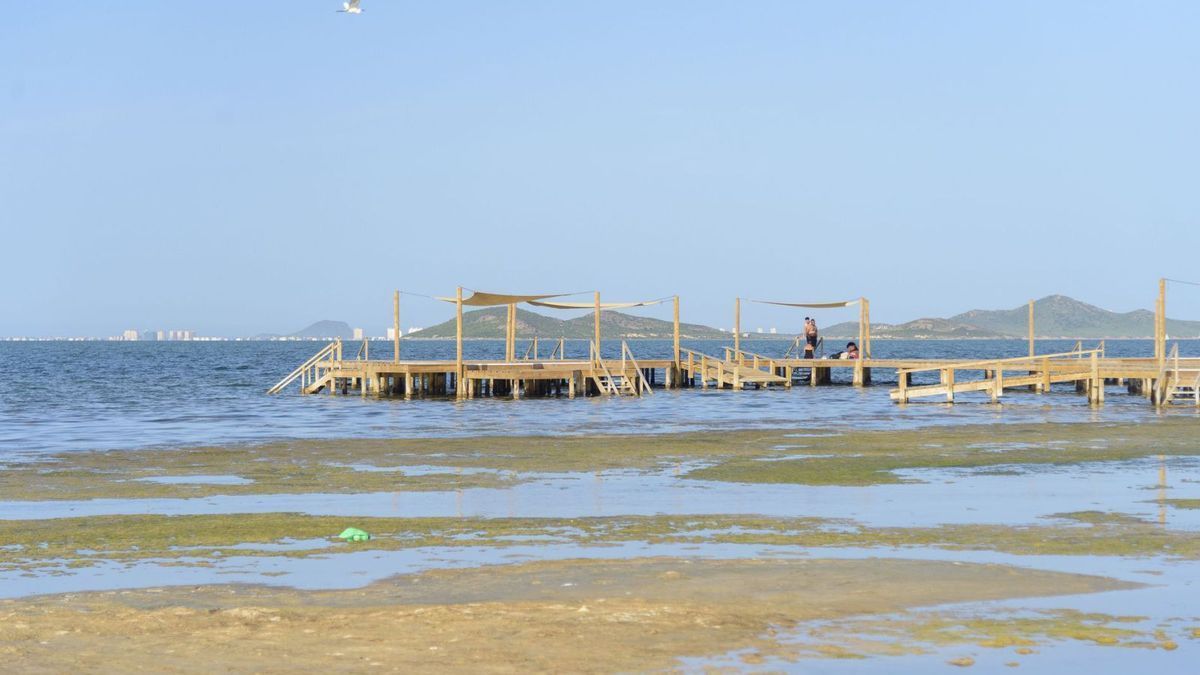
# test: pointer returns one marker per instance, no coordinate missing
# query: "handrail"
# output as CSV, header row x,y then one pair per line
x,y
753,355
531,348
1160,383
599,362
685,350
972,365
327,350
625,350
798,340
364,347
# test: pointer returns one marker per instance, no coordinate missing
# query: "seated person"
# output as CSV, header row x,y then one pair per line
x,y
850,353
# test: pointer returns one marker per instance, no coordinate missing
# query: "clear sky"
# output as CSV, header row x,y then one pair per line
x,y
237,168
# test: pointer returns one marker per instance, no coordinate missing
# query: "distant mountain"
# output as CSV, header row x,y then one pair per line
x,y
326,329
1055,316
489,323
918,329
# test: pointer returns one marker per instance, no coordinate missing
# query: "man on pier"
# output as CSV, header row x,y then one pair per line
x,y
810,337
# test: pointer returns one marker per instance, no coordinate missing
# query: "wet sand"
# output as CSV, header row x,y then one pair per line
x,y
580,616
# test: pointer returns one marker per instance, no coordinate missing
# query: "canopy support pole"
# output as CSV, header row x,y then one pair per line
x,y
460,391
597,324
1031,330
676,335
1160,324
737,325
396,326
865,348
510,334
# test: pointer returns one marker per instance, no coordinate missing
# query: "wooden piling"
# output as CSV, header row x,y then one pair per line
x,y
596,324
396,326
458,335
737,324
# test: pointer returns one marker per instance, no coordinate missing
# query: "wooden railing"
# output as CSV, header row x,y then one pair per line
x,y
798,345
331,351
724,373
608,386
643,385
740,356
1040,363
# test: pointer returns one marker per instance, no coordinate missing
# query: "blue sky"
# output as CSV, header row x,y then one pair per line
x,y
237,168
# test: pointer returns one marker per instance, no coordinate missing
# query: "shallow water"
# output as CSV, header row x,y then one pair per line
x,y
104,395
942,497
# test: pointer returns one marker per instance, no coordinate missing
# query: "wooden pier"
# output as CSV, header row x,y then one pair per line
x,y
1164,378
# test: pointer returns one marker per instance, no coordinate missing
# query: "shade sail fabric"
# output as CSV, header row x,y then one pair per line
x,y
592,305
812,305
481,299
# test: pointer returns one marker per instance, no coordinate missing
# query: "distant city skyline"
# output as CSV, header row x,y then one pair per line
x,y
162,165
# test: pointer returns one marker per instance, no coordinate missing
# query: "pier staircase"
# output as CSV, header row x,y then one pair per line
x,y
613,379
1179,381
314,374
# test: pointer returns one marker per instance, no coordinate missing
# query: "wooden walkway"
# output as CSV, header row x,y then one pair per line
x,y
1172,381
1164,379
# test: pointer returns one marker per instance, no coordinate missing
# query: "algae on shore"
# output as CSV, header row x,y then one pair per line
x,y
198,538
1018,630
342,466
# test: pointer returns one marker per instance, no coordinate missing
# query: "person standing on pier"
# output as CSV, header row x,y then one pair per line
x,y
810,337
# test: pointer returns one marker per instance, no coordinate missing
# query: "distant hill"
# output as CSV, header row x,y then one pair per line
x,y
1055,316
918,329
489,323
326,329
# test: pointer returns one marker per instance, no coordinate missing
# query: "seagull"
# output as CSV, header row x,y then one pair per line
x,y
351,7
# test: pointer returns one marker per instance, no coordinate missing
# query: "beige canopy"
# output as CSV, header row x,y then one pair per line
x,y
811,305
482,299
592,305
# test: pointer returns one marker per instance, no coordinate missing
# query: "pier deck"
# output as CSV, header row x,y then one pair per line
x,y
1172,382
1163,379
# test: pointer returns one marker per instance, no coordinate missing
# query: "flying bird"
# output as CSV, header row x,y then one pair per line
x,y
351,7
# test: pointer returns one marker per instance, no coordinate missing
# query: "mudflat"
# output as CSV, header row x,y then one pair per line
x,y
574,615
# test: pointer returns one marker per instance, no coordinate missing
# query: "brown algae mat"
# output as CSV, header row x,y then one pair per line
x,y
578,616
197,540
337,466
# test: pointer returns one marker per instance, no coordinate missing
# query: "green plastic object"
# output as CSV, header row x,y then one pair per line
x,y
354,534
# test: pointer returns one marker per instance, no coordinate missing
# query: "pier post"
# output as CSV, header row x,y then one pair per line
x,y
1031,331
737,324
1097,382
396,326
458,335
596,325
1160,324
674,378
865,346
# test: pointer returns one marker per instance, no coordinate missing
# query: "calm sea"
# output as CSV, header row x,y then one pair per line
x,y
102,395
